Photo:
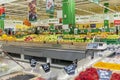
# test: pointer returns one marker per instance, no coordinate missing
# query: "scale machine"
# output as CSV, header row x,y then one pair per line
x,y
96,49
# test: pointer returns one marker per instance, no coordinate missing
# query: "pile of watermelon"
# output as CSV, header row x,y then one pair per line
x,y
115,76
88,74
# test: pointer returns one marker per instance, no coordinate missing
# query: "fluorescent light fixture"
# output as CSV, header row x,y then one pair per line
x,y
6,1
86,11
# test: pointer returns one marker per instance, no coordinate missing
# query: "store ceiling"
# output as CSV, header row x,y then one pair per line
x,y
18,9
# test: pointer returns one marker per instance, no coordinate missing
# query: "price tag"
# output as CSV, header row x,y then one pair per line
x,y
46,67
33,62
104,74
70,70
60,37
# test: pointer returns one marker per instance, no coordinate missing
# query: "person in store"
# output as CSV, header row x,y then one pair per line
x,y
117,31
83,26
52,28
71,29
85,39
9,31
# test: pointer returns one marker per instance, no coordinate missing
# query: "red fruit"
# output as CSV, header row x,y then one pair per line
x,y
115,76
89,74
77,78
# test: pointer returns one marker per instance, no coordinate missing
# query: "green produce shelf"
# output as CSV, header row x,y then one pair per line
x,y
108,41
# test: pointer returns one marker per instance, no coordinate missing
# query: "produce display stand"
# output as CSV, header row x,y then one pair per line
x,y
89,61
68,52
10,69
82,65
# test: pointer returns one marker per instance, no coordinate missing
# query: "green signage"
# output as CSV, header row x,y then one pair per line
x,y
105,9
106,21
2,24
68,12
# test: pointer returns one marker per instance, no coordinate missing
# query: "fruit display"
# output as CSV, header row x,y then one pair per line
x,y
88,74
113,36
28,38
106,65
5,37
22,35
20,27
104,35
115,76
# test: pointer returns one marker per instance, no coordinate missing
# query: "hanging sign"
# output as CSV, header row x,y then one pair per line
x,y
104,74
116,22
49,6
54,21
32,10
2,12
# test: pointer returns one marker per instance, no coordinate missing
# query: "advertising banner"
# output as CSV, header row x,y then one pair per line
x,y
68,12
32,10
106,20
50,6
2,12
116,22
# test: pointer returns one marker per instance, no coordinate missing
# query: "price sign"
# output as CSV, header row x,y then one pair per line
x,y
46,67
60,37
104,74
70,70
33,62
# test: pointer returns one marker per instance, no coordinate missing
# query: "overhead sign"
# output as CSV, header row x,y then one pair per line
x,y
32,10
116,22
104,74
117,16
53,21
2,12
50,6
12,23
